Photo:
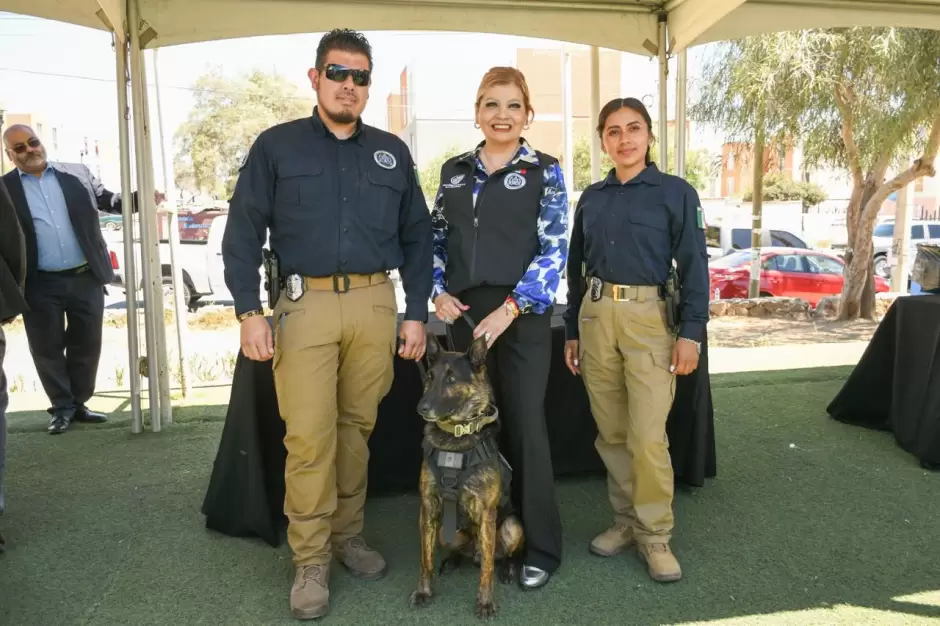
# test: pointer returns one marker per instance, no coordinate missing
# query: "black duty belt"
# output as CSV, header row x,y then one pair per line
x,y
72,271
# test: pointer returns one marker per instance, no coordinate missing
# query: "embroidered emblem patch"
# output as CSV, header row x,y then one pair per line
x,y
700,218
514,180
385,159
455,182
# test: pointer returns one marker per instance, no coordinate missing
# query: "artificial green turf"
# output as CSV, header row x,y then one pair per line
x,y
104,528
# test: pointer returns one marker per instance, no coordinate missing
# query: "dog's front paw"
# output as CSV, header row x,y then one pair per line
x,y
486,610
508,572
420,599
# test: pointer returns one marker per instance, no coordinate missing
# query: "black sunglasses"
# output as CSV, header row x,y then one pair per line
x,y
32,142
339,74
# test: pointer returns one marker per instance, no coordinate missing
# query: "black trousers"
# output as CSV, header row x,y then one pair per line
x,y
4,402
518,365
63,328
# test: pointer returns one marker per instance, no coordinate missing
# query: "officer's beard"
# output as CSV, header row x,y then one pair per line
x,y
343,116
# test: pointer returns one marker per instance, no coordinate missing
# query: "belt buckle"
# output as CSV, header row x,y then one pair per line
x,y
619,291
336,278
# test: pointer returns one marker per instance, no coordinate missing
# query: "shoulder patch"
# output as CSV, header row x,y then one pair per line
x,y
700,218
385,159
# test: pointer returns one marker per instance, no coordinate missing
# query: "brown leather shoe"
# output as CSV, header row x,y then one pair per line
x,y
660,561
613,541
310,595
361,560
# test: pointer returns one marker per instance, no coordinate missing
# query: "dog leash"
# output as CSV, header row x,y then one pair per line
x,y
450,340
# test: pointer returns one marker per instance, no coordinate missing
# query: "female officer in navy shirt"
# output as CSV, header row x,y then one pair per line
x,y
500,225
628,229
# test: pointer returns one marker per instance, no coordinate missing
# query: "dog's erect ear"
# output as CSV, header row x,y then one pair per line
x,y
433,348
477,353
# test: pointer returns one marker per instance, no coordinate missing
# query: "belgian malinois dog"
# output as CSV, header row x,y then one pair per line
x,y
462,423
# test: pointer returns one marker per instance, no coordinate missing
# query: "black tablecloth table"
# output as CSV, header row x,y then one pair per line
x,y
245,496
896,384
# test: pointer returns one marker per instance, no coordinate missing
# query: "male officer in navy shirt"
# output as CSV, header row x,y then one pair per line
x,y
343,205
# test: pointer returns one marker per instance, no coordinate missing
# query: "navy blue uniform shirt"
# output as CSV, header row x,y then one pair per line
x,y
333,207
629,233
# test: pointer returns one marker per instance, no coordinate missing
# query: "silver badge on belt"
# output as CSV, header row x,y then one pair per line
x,y
597,286
294,287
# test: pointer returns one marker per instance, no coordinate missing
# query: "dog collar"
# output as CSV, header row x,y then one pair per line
x,y
462,429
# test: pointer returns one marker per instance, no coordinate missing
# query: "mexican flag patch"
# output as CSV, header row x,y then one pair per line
x,y
700,218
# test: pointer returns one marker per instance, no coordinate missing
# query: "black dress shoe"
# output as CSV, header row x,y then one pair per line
x,y
59,423
533,577
89,417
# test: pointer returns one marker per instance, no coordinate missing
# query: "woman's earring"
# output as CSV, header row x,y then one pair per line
x,y
526,127
475,125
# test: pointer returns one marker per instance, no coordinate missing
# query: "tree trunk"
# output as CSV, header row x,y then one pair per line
x,y
858,287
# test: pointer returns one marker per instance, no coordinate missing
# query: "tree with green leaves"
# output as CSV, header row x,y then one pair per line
x,y
430,175
226,117
776,188
860,99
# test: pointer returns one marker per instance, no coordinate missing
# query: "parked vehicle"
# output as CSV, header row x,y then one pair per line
x,y
725,239
109,221
922,231
785,272
200,258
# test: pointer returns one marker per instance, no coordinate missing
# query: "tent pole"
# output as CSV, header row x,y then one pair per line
x,y
681,103
595,109
147,218
172,222
127,211
566,115
663,95
163,373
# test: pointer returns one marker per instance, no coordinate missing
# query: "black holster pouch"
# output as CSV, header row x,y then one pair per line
x,y
672,296
272,276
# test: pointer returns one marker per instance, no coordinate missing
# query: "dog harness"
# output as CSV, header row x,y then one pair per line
x,y
451,470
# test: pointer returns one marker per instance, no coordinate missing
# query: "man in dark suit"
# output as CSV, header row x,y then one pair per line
x,y
68,267
12,277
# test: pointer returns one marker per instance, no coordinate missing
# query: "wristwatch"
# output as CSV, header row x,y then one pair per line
x,y
247,314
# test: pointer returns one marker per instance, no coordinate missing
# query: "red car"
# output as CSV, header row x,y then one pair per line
x,y
785,272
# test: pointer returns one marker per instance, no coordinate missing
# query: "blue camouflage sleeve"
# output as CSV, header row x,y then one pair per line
x,y
439,230
539,284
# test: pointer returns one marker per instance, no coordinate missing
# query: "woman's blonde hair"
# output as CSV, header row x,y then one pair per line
x,y
497,76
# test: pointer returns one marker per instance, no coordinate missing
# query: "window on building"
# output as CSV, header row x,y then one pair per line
x,y
731,160
729,186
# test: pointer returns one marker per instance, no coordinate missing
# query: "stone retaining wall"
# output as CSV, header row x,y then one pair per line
x,y
789,308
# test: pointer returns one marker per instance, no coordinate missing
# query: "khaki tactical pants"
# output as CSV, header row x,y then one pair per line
x,y
333,364
625,354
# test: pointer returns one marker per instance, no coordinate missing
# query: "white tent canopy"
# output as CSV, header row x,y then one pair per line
x,y
652,27
627,25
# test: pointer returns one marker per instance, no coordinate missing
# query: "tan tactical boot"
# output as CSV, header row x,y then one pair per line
x,y
613,541
661,562
310,595
361,560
